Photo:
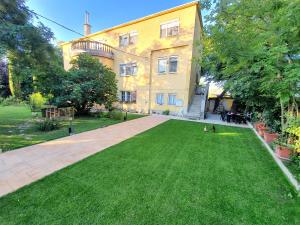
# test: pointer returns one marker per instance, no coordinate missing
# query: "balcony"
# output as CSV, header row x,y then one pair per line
x,y
93,48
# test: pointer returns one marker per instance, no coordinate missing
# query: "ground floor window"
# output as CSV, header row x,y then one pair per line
x,y
128,96
159,98
172,99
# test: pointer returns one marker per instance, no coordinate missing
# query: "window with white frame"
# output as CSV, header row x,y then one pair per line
x,y
133,37
172,99
128,39
173,62
128,69
123,40
159,98
169,29
162,65
128,96
167,65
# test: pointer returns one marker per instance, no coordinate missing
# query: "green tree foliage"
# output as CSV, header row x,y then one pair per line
x,y
4,88
37,101
27,46
86,83
254,46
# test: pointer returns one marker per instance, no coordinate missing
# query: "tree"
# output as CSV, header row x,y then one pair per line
x,y
25,45
4,88
253,46
86,83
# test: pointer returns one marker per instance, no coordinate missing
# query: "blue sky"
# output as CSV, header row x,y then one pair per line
x,y
103,14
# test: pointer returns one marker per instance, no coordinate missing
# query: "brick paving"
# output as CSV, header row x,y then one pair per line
x,y
25,165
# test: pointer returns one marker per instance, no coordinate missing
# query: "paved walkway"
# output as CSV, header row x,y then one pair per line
x,y
26,165
209,121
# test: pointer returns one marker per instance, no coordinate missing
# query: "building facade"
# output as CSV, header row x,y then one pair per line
x,y
152,58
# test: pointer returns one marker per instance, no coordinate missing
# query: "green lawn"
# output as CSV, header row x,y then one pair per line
x,y
17,128
172,174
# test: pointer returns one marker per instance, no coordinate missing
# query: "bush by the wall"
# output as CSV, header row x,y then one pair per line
x,y
48,124
166,112
116,114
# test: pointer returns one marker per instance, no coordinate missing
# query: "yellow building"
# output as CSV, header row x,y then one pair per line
x,y
152,57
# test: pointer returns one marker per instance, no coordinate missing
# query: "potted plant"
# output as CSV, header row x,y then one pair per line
x,y
270,136
283,150
259,124
261,129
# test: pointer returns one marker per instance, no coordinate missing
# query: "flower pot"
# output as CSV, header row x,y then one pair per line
x,y
283,152
259,124
270,137
261,130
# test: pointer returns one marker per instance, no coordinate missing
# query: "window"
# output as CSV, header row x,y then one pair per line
x,y
128,39
128,69
160,99
122,69
170,65
162,65
173,61
127,96
133,69
123,40
169,29
133,37
172,99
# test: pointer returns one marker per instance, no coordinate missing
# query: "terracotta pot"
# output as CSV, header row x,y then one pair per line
x,y
259,124
270,137
283,152
261,131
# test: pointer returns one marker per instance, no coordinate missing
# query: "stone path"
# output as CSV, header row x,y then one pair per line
x,y
209,121
26,165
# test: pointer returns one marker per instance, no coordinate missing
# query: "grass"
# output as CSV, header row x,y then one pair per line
x,y
172,174
17,128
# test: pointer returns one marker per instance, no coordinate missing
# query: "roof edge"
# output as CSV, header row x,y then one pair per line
x,y
173,9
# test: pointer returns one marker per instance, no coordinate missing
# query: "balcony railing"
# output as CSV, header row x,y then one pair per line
x,y
93,48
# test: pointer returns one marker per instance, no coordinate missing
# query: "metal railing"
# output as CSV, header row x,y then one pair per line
x,y
92,47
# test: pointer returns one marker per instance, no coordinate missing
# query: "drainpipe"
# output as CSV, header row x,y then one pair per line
x,y
150,83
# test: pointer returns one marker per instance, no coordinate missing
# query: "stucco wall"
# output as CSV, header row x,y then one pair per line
x,y
148,48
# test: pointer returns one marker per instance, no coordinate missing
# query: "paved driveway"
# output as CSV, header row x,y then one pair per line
x,y
26,165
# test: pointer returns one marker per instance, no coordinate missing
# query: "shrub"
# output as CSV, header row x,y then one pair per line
x,y
166,112
36,101
11,100
270,117
103,114
116,114
48,124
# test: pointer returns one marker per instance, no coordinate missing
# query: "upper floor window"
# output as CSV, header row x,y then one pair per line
x,y
168,64
133,37
169,29
173,61
129,69
128,39
162,65
124,40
